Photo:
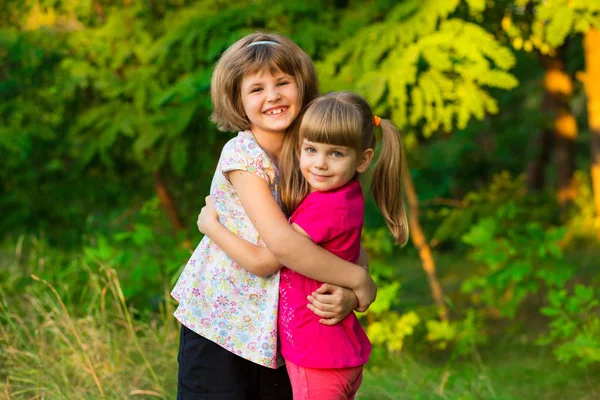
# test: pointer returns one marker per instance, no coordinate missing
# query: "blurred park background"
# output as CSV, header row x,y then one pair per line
x,y
106,154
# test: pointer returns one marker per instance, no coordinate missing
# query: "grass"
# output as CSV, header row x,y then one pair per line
x,y
58,345
50,351
500,372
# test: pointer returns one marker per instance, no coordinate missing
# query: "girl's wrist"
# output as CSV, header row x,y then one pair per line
x,y
212,226
363,278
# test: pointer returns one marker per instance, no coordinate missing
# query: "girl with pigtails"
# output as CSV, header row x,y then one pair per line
x,y
320,192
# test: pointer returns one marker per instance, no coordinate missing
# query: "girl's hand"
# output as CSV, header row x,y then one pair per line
x,y
208,216
332,303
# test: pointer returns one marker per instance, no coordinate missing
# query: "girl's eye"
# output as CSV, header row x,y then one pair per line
x,y
337,154
255,90
283,83
310,149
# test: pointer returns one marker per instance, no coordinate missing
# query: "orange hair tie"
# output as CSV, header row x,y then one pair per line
x,y
376,120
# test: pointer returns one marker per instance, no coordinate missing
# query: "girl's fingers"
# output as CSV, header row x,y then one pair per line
x,y
320,313
323,298
318,304
330,297
326,303
329,321
330,303
324,288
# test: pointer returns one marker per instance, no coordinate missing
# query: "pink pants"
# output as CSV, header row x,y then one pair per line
x,y
318,384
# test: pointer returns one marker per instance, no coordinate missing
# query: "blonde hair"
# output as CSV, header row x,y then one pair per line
x,y
279,53
345,119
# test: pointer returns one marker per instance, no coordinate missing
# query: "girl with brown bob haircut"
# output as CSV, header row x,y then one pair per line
x,y
243,59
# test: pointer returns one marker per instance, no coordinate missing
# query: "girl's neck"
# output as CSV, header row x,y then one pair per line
x,y
271,143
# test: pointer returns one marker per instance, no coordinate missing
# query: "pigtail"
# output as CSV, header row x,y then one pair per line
x,y
386,184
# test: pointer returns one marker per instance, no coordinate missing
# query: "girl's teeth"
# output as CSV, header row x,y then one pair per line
x,y
278,111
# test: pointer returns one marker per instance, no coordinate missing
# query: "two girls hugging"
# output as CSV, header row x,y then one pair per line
x,y
285,214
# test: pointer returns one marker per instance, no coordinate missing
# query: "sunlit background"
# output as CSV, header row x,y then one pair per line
x,y
107,152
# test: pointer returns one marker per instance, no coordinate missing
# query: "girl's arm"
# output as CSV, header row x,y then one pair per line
x,y
291,248
331,303
254,259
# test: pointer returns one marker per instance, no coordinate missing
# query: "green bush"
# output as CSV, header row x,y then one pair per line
x,y
575,324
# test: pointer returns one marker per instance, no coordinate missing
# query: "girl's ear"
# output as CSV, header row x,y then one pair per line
x,y
365,160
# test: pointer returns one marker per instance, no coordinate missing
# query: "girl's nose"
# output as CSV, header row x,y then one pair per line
x,y
321,163
273,94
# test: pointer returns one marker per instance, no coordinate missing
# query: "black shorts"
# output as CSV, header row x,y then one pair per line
x,y
209,372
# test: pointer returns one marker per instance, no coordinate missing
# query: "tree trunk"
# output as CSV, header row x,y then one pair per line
x,y
559,85
418,238
166,199
591,47
542,143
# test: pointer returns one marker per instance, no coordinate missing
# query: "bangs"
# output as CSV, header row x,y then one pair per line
x,y
329,121
272,58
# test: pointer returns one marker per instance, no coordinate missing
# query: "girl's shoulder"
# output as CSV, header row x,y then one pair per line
x,y
244,153
347,199
244,142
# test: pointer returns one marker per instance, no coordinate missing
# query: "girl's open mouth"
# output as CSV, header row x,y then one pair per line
x,y
276,111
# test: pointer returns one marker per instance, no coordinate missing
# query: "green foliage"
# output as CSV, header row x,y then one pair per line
x,y
582,225
386,327
378,244
392,330
97,97
519,256
502,191
547,25
145,258
575,324
463,335
426,70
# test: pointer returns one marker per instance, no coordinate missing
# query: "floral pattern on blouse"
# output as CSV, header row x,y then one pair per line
x,y
218,299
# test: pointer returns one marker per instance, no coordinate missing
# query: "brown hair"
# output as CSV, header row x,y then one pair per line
x,y
240,60
345,119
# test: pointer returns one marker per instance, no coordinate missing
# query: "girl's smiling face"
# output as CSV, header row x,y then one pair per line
x,y
270,101
327,167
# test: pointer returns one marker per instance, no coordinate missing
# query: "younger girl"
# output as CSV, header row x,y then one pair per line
x,y
228,343
335,144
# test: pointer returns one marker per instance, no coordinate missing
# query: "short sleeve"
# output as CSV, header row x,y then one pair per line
x,y
320,220
243,153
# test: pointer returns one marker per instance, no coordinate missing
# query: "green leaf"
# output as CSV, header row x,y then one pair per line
x,y
179,156
481,233
147,137
550,312
560,25
386,295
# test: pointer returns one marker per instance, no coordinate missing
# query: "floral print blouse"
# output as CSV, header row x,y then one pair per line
x,y
218,299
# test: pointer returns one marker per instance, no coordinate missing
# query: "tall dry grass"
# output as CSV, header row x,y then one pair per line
x,y
91,350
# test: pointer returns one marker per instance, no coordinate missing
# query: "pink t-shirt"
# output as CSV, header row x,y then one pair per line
x,y
334,221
